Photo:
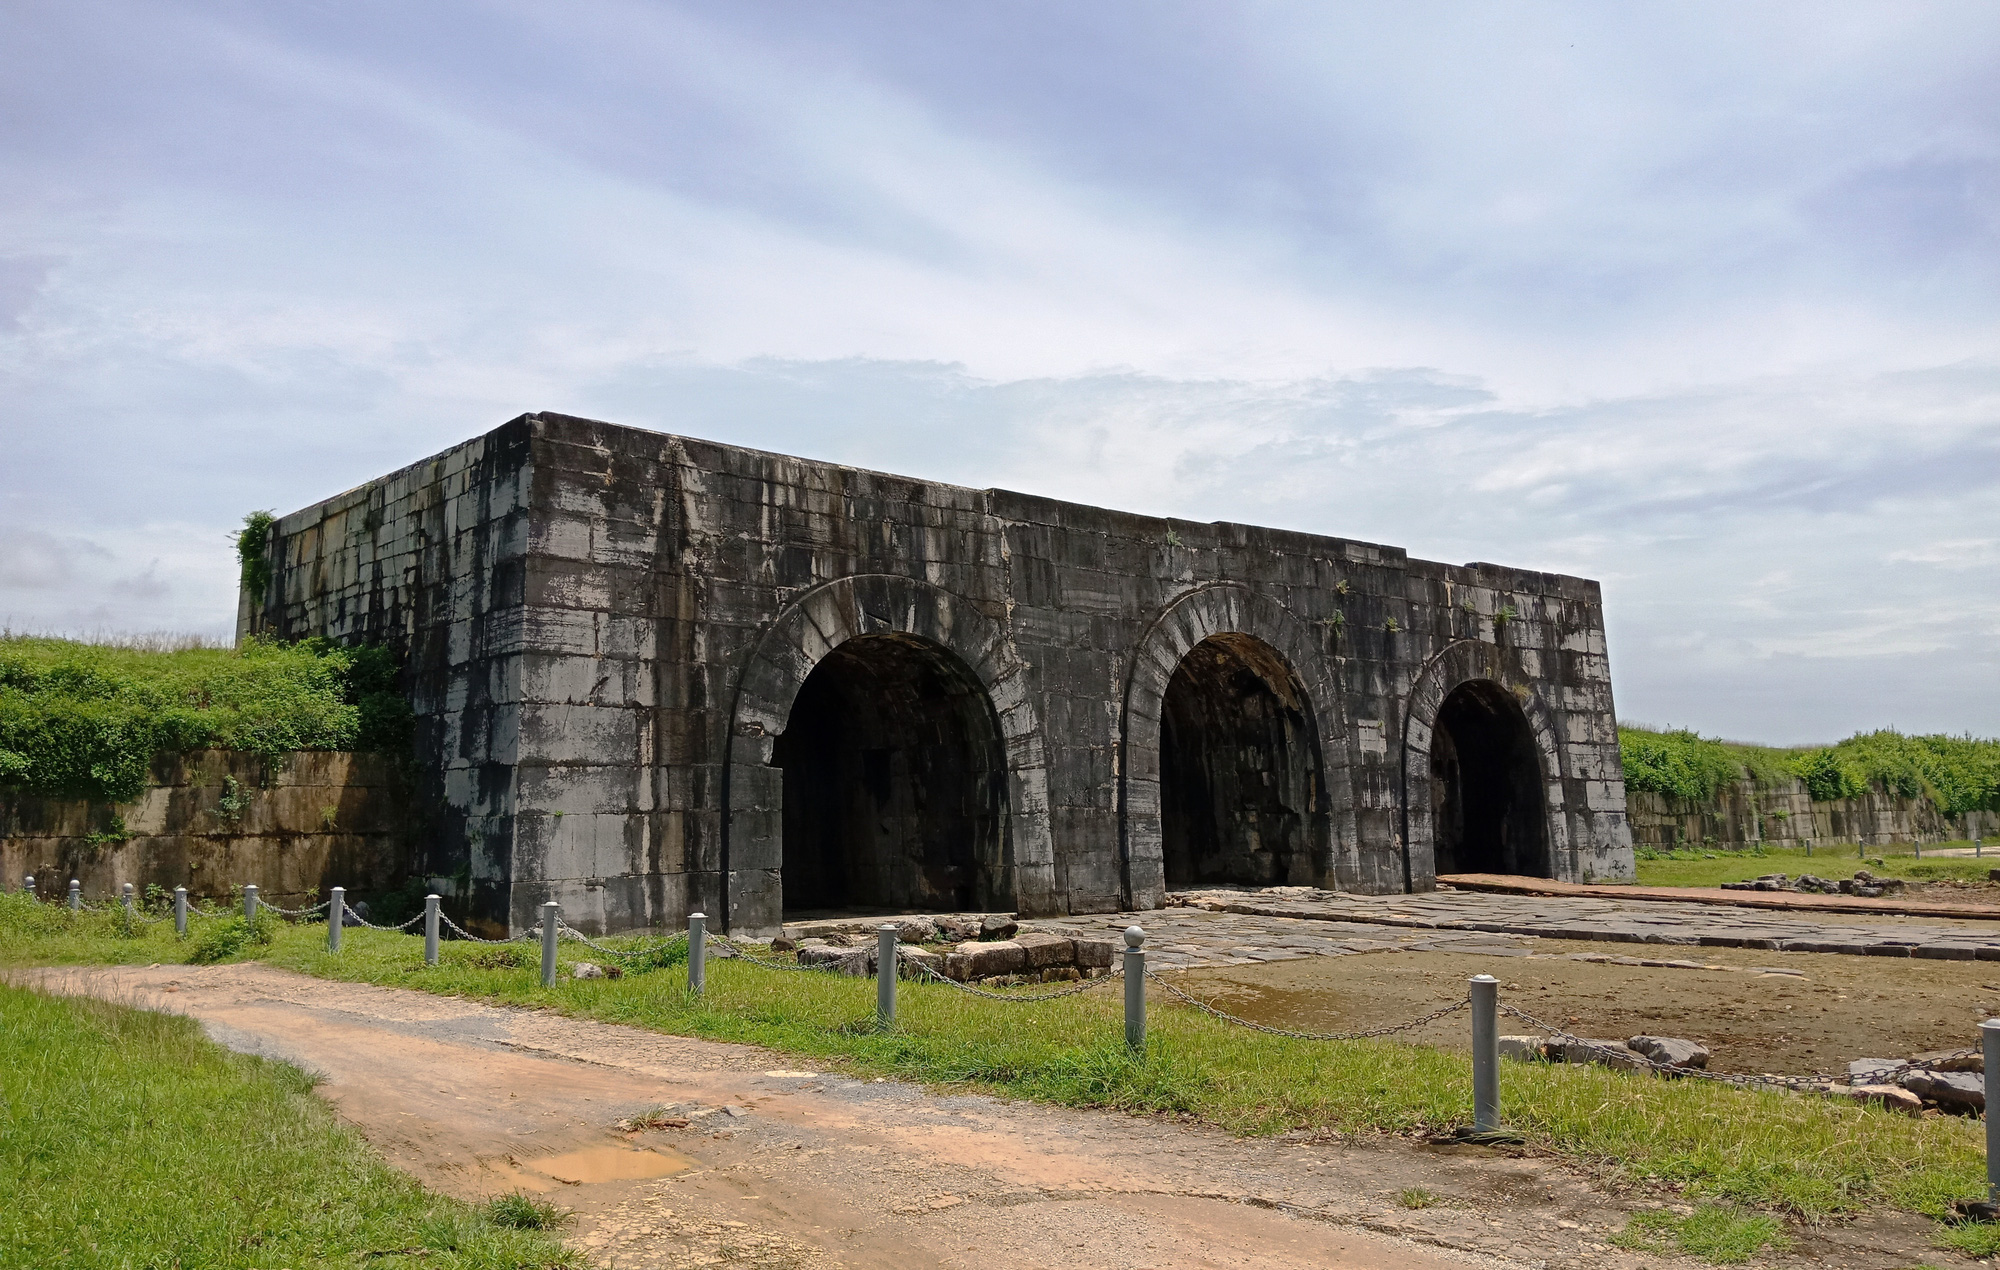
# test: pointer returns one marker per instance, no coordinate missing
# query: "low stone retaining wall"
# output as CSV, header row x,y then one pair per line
x,y
1744,815
214,819
968,947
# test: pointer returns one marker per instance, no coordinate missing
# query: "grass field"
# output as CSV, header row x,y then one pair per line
x,y
1796,1155
129,1140
1695,867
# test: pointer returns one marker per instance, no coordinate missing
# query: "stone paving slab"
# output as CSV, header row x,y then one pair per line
x,y
1237,927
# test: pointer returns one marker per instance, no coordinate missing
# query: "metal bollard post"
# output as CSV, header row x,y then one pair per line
x,y
250,902
75,894
1976,852
1485,1054
886,964
1989,1039
28,884
336,918
430,930
551,927
125,913
1918,847
180,910
697,953
1135,989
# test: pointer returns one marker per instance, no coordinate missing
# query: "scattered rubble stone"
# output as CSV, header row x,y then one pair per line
x,y
1614,1054
1526,1049
1673,1050
997,926
1954,1091
1893,1097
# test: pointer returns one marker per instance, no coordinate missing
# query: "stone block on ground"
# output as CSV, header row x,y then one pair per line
x,y
1954,1091
977,959
1045,950
958,929
909,959
859,962
1095,954
1673,1050
998,926
916,930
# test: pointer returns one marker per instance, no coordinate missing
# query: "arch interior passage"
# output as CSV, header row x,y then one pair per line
x,y
894,783
1486,785
1239,772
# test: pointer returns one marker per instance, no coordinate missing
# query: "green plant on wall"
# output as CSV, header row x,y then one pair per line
x,y
1392,626
1507,614
253,546
229,807
1173,539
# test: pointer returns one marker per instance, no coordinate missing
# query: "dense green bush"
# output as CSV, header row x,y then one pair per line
x,y
1956,773
82,720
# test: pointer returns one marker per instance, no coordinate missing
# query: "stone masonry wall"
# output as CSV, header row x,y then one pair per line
x,y
220,818
609,627
1786,816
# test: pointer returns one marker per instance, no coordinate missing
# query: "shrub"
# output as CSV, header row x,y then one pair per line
x,y
222,939
84,720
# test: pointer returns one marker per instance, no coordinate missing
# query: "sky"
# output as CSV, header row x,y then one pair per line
x,y
1699,300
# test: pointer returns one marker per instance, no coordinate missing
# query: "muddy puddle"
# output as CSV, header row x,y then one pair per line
x,y
587,1165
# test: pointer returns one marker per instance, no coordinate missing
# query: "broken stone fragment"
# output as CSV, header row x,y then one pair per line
x,y
1613,1054
997,926
1672,1050
784,943
916,930
859,962
1952,1061
1870,1071
958,929
1893,1097
1954,1091
587,970
1526,1049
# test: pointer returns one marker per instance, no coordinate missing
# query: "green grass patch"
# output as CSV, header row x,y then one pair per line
x,y
1695,867
1714,1232
1796,1155
128,1140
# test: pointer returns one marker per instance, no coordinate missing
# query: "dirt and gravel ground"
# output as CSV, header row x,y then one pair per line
x,y
778,1166
1759,1011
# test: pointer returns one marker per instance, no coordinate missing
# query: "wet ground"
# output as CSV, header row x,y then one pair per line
x,y
1759,1011
757,1162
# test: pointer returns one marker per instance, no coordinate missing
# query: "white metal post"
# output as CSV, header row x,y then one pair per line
x,y
430,930
551,925
180,910
885,977
698,953
336,918
250,902
1485,1054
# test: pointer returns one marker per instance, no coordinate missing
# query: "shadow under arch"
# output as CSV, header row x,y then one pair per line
x,y
1242,636
1468,723
932,631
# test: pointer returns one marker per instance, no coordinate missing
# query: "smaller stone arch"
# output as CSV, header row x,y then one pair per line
x,y
1204,613
812,626
1458,664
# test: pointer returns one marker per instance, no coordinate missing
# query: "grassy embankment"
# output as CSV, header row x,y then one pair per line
x,y
1955,774
1805,1157
1696,867
127,1139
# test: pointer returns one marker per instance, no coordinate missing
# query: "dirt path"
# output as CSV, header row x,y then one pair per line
x,y
777,1166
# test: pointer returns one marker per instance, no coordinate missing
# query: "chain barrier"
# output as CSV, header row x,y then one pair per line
x,y
467,935
566,931
1238,1020
729,948
320,907
358,920
1019,998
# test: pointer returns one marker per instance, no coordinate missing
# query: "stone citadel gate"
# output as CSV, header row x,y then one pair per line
x,y
654,674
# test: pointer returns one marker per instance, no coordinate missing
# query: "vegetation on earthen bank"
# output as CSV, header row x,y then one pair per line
x,y
1955,773
84,720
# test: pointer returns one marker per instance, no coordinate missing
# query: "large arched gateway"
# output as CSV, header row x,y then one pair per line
x,y
1239,769
895,785
1487,808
